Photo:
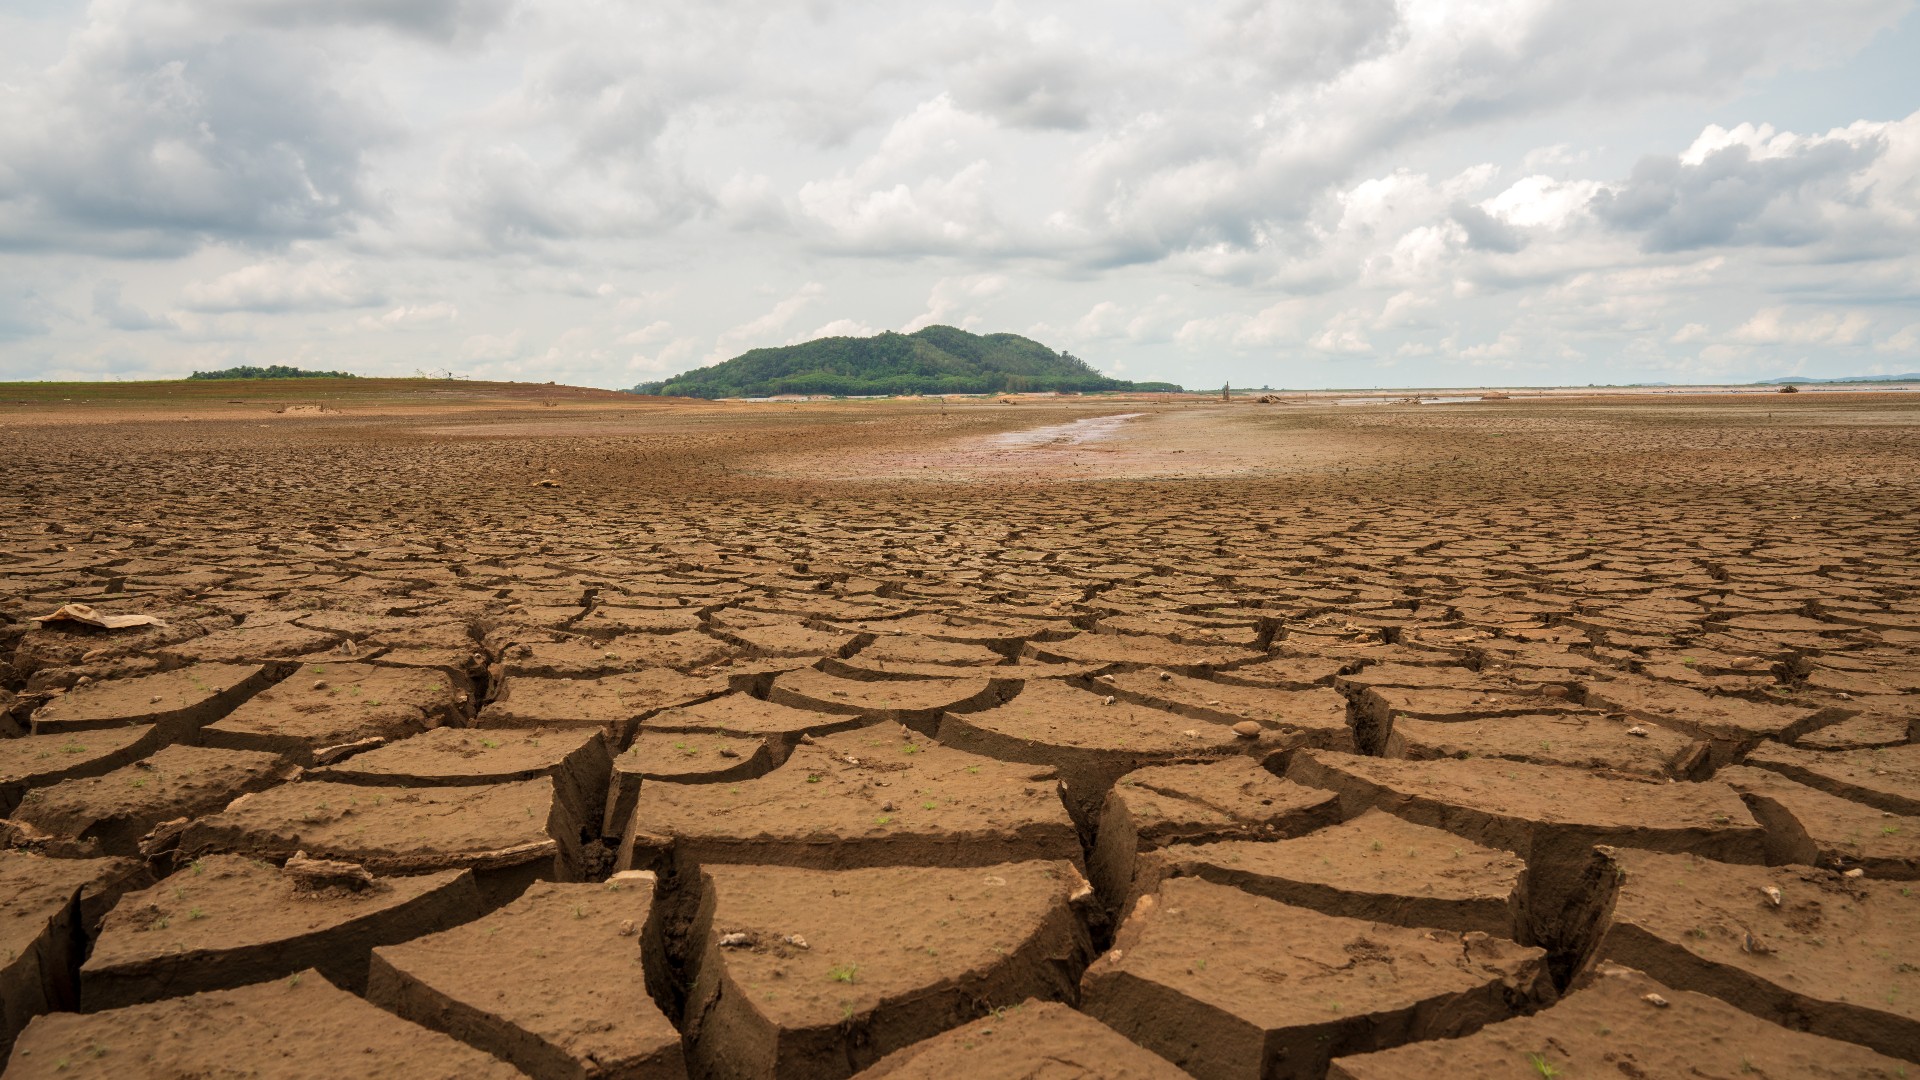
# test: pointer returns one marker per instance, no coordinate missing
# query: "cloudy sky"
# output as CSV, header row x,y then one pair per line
x,y
1295,193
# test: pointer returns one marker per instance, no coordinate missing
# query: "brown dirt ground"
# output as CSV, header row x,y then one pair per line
x,y
858,681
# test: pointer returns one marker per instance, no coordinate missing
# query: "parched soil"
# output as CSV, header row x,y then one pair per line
x,y
553,982
553,733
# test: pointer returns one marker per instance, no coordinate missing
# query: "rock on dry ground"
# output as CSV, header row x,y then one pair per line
x,y
1513,738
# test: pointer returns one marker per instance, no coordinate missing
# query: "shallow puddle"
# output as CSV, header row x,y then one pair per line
x,y
1092,429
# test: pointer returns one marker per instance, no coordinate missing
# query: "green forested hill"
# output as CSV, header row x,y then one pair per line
x,y
274,371
936,360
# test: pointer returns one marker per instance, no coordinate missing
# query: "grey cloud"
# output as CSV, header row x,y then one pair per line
x,y
500,193
434,20
119,314
19,317
1486,232
611,96
1291,42
1193,186
1645,48
1529,62
579,147
1027,89
1732,198
1222,170
137,141
513,202
280,287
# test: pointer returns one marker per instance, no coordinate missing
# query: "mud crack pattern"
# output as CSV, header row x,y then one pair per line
x,y
1504,739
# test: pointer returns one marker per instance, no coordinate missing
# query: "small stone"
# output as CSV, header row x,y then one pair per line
x,y
729,753
887,806
796,941
1637,730
1108,700
1654,1000
1773,895
315,874
319,684
1247,729
1856,872
1166,676
627,929
739,939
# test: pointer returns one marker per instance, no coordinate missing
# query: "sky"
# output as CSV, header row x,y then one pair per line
x,y
1336,193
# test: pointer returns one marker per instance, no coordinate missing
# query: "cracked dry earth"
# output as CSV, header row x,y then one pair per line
x,y
1516,739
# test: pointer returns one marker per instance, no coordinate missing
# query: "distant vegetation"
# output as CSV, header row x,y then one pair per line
x,y
1911,376
936,360
275,371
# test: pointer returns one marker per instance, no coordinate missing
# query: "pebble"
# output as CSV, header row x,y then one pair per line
x,y
319,684
1247,729
1773,895
627,929
1108,700
739,939
1637,730
1856,872
1654,1000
